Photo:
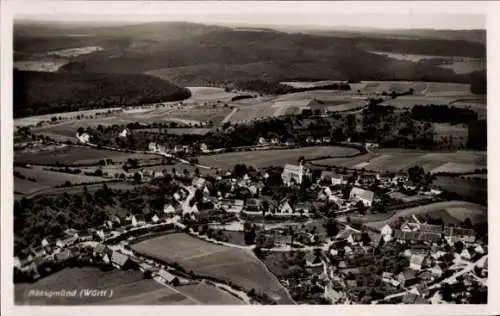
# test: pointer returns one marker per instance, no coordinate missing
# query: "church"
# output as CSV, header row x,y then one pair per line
x,y
293,174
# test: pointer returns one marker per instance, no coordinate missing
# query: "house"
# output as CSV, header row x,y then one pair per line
x,y
335,179
100,234
169,209
436,271
282,241
100,249
465,254
387,276
61,243
426,276
348,250
293,174
479,249
167,276
301,208
235,206
254,205
84,138
124,133
365,196
416,262
407,277
285,208
199,183
386,233
155,219
332,295
121,261
415,236
63,255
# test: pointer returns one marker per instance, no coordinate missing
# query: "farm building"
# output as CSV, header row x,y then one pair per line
x,y
168,277
169,209
293,174
334,178
417,261
285,208
416,236
254,205
121,261
124,133
365,196
386,233
407,277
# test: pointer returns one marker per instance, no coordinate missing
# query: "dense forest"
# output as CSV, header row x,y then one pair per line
x,y
38,93
443,113
244,55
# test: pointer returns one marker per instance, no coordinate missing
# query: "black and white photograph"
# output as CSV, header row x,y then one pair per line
x,y
163,155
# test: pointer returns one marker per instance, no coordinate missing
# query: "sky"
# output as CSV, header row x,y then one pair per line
x,y
395,15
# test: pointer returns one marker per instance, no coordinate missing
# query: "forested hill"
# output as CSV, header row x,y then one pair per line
x,y
37,93
255,55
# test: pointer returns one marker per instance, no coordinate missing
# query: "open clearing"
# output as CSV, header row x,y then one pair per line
x,y
209,94
73,155
456,209
233,265
394,160
275,157
129,288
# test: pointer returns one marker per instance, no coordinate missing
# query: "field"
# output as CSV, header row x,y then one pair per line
x,y
177,131
394,160
278,157
47,179
468,189
461,65
74,52
129,288
76,155
456,209
209,94
41,65
229,264
465,67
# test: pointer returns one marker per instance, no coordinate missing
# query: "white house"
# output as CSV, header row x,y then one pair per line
x,y
100,234
365,196
386,233
204,148
479,250
84,138
155,219
295,174
134,221
168,209
465,254
285,208
45,243
124,133
436,271
416,262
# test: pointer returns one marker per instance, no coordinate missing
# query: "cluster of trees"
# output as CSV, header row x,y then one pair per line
x,y
38,93
48,216
442,114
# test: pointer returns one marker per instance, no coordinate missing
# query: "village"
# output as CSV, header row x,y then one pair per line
x,y
410,260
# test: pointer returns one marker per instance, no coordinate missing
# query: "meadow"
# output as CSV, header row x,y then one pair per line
x,y
129,288
47,179
399,160
278,157
228,264
74,155
456,209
